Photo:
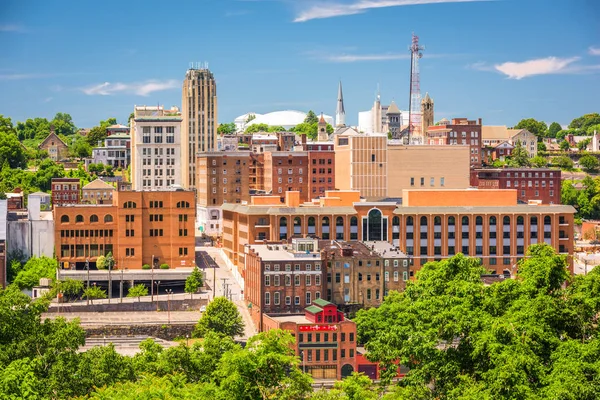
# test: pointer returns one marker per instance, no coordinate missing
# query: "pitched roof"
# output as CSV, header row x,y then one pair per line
x,y
393,109
98,184
495,132
52,135
313,309
322,302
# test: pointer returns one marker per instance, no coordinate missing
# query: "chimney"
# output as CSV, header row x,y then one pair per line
x,y
479,120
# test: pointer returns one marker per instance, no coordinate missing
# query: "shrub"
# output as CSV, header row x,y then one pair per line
x,y
146,266
164,266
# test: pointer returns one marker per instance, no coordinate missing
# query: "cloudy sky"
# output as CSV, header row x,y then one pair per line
x,y
500,60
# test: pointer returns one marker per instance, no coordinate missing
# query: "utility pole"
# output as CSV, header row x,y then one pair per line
x,y
152,279
157,297
214,279
169,292
87,266
224,280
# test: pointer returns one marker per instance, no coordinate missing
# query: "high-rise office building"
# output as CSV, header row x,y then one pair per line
x,y
199,127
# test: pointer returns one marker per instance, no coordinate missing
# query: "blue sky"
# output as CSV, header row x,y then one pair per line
x,y
499,60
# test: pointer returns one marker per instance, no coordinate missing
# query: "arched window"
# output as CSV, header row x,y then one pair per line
x,y
108,218
547,220
297,226
451,221
423,221
464,221
64,219
520,220
325,228
183,204
311,225
492,221
437,221
478,220
353,228
93,218
339,228
533,220
129,204
283,228
374,225
409,221
506,220
396,221
79,218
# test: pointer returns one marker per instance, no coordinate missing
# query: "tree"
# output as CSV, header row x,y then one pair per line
x,y
519,156
12,152
541,146
138,291
63,124
538,128
277,128
553,129
70,288
563,162
227,129
585,121
194,282
80,148
582,145
539,162
592,129
250,118
98,133
254,128
564,145
589,163
101,262
221,316
311,117
94,292
35,269
131,116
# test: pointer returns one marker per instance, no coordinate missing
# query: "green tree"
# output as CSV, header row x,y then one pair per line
x,y
227,129
70,288
80,148
131,116
541,146
593,129
221,316
12,152
251,117
138,291
277,128
564,145
94,292
35,269
356,387
538,128
35,129
563,162
553,129
194,282
254,128
585,121
519,156
98,133
583,145
101,262
63,124
150,387
539,162
589,163
311,118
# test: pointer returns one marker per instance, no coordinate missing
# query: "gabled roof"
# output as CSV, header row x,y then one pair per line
x,y
313,309
98,184
54,136
117,126
504,145
322,302
346,131
393,109
495,132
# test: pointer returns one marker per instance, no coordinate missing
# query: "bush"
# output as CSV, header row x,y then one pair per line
x,y
164,266
146,266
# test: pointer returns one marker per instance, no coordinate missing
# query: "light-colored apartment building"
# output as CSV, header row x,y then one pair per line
x,y
495,136
199,112
156,156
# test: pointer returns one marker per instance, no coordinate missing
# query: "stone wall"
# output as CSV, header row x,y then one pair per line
x,y
165,331
176,305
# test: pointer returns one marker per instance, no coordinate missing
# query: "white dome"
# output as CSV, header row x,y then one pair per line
x,y
288,118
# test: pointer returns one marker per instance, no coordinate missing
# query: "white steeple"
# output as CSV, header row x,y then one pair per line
x,y
340,113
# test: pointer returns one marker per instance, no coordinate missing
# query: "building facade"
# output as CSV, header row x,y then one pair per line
x,y
199,112
427,114
56,148
97,192
321,173
138,227
116,151
460,131
286,171
66,191
156,160
492,136
531,184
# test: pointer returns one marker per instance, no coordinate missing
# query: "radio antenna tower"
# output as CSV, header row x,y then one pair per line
x,y
414,104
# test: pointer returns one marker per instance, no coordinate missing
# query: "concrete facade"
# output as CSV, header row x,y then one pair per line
x,y
460,131
31,231
115,152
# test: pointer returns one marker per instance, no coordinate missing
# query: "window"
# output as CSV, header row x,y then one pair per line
x,y
308,298
267,298
276,297
308,280
288,300
267,280
297,300
79,218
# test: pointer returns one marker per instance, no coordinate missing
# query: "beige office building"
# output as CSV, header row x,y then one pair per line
x,y
199,126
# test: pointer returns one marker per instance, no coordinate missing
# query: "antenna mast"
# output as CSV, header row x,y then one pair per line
x,y
414,104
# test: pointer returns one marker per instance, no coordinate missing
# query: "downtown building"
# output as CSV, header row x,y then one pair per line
x,y
199,124
156,152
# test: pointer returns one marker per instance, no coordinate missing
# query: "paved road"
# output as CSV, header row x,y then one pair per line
x,y
124,345
90,319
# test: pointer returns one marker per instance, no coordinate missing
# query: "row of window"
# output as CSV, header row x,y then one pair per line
x,y
322,161
158,129
158,161
288,267
325,336
431,181
325,352
158,151
66,187
437,220
288,280
87,250
79,218
367,277
288,299
395,263
70,233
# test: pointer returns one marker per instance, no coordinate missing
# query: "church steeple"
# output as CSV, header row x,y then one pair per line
x,y
322,136
340,113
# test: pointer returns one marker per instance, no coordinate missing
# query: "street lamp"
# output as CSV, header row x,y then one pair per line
x,y
157,297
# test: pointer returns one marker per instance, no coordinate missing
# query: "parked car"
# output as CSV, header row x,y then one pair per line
x,y
203,309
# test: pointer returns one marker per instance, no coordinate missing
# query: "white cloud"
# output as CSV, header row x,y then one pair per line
x,y
540,66
139,88
595,51
337,9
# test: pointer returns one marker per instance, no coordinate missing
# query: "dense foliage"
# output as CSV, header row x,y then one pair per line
x,y
524,338
221,316
586,200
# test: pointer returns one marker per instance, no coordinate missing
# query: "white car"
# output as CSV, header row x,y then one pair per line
x,y
203,309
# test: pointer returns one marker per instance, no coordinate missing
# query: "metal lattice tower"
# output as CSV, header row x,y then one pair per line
x,y
414,110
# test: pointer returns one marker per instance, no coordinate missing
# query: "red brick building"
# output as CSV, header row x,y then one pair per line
x,y
66,191
459,131
541,184
325,340
321,174
286,171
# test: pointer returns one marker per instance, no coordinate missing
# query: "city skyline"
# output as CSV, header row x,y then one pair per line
x,y
501,73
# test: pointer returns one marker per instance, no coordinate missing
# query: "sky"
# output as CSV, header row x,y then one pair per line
x,y
499,60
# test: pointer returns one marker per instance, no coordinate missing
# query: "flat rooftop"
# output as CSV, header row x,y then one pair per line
x,y
297,318
386,249
279,252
